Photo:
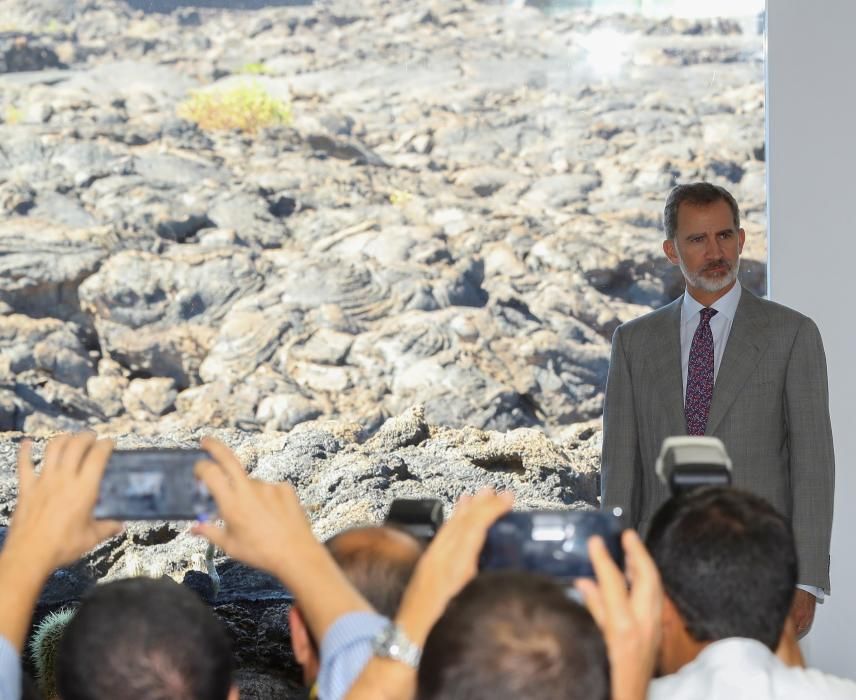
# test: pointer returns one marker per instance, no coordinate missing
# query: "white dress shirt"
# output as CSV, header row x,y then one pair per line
x,y
720,327
744,669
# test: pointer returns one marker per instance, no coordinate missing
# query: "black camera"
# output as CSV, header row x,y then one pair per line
x,y
421,517
154,484
554,543
687,462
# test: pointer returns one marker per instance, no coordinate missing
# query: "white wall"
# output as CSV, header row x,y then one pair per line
x,y
811,146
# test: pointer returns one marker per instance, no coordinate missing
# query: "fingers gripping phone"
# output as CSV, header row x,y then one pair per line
x,y
553,543
154,484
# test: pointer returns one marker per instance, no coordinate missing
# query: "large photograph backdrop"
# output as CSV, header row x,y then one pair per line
x,y
378,247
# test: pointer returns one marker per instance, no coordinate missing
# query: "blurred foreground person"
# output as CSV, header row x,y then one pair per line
x,y
729,566
514,635
144,639
378,561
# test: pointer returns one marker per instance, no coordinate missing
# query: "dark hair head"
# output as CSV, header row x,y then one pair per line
x,y
696,194
510,635
378,561
728,563
144,639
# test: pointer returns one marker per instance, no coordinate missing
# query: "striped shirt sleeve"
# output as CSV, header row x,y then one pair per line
x,y
345,650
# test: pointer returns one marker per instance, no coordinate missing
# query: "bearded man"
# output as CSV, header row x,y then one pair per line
x,y
720,361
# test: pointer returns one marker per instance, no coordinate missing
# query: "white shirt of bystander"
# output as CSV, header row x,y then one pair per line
x,y
744,669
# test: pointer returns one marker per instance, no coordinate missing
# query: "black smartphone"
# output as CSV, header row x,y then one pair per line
x,y
154,484
554,543
421,517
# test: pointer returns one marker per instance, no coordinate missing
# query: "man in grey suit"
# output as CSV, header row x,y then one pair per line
x,y
720,361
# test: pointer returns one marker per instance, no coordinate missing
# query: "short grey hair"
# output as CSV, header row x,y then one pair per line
x,y
696,194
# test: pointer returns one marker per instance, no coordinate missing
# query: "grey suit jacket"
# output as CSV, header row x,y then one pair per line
x,y
770,407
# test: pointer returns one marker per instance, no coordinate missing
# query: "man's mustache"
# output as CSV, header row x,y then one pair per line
x,y
717,263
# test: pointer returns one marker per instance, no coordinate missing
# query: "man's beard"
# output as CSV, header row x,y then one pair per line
x,y
711,284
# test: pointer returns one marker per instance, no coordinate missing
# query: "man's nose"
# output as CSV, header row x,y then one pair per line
x,y
712,248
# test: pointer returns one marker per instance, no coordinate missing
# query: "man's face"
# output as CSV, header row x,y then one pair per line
x,y
707,248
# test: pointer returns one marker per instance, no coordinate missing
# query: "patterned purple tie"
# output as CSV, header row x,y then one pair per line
x,y
700,376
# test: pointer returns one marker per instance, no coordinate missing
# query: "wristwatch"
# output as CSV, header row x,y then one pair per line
x,y
392,643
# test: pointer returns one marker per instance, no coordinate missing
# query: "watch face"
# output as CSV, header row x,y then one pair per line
x,y
391,643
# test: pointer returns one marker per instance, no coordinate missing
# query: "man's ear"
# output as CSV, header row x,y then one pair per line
x,y
234,694
300,643
671,251
741,239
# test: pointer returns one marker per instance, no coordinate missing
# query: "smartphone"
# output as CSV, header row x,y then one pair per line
x,y
421,517
154,484
553,543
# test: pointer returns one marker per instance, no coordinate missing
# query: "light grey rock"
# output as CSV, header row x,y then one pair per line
x,y
284,411
149,397
107,391
324,346
177,300
246,340
250,217
558,191
42,265
46,346
409,428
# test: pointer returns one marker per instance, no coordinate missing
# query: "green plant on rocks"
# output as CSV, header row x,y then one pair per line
x,y
13,115
44,646
248,107
254,69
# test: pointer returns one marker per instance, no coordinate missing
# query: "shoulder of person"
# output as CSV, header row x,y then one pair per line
x,y
653,320
819,684
775,312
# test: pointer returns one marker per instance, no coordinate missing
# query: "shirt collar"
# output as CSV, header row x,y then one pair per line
x,y
726,304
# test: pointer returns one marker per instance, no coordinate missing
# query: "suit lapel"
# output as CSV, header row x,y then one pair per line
x,y
746,343
666,365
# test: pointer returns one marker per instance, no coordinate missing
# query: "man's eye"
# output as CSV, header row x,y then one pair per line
x,y
725,234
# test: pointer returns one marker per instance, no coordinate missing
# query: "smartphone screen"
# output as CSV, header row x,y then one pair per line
x,y
154,484
553,543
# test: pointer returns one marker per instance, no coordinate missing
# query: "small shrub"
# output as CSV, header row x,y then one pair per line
x,y
254,69
399,198
246,107
13,115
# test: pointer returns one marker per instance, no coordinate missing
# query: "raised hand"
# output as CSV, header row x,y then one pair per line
x,y
52,524
630,619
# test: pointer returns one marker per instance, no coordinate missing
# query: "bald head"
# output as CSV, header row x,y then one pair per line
x,y
378,561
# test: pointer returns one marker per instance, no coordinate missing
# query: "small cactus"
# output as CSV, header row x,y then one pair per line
x,y
44,646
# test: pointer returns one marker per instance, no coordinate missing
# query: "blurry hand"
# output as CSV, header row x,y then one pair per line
x,y
52,524
448,564
629,619
265,527
802,611
53,518
264,522
789,649
450,561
